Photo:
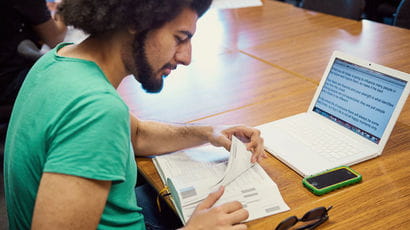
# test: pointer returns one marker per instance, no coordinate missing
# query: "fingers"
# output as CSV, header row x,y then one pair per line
x,y
231,206
225,216
225,142
233,212
256,146
236,212
240,227
220,138
211,199
248,135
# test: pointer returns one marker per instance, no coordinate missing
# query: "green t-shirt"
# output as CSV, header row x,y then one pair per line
x,y
69,119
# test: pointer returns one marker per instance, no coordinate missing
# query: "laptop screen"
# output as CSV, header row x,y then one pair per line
x,y
359,98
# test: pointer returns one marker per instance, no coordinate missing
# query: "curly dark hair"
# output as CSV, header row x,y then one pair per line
x,y
100,16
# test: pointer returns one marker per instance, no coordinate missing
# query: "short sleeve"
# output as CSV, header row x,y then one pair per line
x,y
90,139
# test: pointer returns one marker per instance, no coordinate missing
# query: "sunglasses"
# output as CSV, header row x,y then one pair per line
x,y
317,214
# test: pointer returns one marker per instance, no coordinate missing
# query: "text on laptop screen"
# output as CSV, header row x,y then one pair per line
x,y
358,98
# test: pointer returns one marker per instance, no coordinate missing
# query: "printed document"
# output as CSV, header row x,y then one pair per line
x,y
194,173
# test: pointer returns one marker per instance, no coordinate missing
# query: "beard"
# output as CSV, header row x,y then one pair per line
x,y
142,70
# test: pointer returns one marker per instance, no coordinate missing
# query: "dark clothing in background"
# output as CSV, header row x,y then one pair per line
x,y
17,20
375,10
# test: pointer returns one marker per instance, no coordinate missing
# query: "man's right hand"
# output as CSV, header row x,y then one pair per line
x,y
225,216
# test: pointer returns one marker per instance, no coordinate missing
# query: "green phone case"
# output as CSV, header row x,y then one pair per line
x,y
330,188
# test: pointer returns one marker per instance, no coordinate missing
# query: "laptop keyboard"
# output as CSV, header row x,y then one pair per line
x,y
322,140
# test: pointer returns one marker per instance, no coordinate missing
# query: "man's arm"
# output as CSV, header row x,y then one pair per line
x,y
69,202
150,137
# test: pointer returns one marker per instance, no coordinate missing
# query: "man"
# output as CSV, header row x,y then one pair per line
x,y
69,163
22,20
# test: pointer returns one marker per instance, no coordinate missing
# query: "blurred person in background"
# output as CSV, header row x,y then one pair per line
x,y
22,20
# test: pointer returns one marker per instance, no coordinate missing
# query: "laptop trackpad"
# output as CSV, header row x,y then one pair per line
x,y
293,153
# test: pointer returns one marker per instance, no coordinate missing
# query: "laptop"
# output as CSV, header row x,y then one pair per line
x,y
348,121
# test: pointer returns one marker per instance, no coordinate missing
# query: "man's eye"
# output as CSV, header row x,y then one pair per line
x,y
179,40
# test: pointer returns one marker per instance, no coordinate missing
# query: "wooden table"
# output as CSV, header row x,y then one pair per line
x,y
263,64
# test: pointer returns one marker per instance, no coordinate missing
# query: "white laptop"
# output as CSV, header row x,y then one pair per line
x,y
348,121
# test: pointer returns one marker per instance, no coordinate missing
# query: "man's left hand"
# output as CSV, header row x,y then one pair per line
x,y
222,136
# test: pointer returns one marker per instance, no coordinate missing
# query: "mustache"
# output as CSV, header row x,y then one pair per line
x,y
169,66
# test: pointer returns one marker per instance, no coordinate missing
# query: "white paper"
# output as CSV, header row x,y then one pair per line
x,y
239,162
196,172
230,4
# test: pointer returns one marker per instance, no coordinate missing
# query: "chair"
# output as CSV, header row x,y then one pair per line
x,y
352,9
402,15
386,11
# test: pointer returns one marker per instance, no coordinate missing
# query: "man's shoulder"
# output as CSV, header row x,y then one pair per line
x,y
54,68
66,82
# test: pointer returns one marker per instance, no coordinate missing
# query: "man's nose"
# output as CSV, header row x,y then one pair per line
x,y
183,54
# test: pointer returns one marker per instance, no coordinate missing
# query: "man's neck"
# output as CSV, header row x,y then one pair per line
x,y
105,52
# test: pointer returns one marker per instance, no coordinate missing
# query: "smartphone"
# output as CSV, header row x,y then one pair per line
x,y
330,180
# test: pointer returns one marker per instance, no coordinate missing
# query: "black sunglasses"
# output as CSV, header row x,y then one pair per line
x,y
319,214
